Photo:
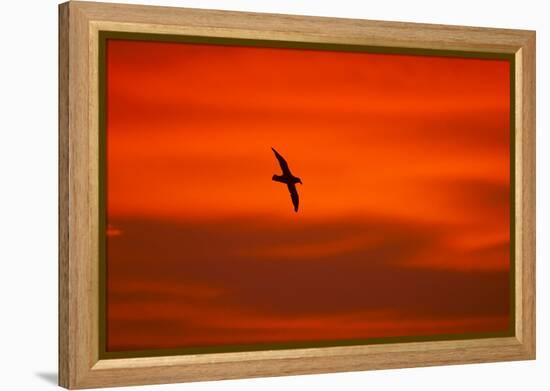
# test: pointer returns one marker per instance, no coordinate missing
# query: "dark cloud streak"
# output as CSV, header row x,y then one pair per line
x,y
374,276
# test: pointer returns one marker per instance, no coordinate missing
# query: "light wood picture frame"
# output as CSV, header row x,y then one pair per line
x,y
81,25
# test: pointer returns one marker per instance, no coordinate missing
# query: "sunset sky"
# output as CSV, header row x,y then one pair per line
x,y
404,219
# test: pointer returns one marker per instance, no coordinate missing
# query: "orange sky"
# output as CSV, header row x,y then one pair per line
x,y
403,227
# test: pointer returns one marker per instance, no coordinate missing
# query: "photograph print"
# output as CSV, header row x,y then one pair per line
x,y
262,195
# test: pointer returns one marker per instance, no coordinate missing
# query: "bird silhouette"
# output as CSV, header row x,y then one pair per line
x,y
288,179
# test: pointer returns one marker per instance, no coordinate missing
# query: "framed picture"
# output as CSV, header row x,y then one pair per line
x,y
248,195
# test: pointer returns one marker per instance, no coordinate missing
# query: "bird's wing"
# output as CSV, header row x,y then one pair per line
x,y
282,162
294,196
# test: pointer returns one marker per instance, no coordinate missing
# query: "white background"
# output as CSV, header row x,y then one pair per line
x,y
28,194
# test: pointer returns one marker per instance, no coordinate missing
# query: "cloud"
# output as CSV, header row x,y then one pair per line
x,y
112,231
221,275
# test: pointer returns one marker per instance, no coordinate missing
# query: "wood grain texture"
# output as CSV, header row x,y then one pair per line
x,y
63,308
527,187
79,363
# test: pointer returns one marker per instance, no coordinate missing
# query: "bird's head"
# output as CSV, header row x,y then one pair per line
x,y
300,181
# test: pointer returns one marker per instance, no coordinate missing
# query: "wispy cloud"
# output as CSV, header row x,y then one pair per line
x,y
113,231
196,276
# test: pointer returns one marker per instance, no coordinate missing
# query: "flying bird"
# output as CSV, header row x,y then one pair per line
x,y
288,179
